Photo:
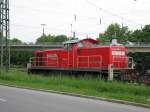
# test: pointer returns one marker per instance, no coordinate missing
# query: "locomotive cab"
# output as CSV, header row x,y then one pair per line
x,y
68,45
85,43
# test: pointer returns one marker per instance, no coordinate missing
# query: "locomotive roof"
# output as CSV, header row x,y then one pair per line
x,y
77,41
71,41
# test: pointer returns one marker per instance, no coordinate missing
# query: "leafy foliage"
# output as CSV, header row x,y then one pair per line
x,y
51,38
142,35
20,57
115,31
15,40
123,34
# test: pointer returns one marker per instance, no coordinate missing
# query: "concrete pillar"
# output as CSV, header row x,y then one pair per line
x,y
28,67
110,72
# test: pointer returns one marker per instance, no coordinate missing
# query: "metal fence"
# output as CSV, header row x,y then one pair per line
x,y
31,43
127,44
138,44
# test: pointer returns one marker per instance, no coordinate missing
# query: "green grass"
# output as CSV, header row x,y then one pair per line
x,y
84,86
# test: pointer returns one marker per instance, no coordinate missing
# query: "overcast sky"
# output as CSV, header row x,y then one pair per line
x,y
58,15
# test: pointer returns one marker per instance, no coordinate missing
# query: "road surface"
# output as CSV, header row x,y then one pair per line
x,y
23,100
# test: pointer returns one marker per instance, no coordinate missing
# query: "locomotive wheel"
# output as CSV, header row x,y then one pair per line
x,y
127,76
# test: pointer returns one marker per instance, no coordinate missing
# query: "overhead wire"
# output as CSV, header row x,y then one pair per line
x,y
112,13
31,9
37,11
58,13
38,27
81,20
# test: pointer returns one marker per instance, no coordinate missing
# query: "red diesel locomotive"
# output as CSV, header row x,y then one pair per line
x,y
81,55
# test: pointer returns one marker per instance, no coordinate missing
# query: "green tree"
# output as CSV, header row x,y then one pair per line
x,y
137,35
60,38
115,31
44,38
118,32
146,33
15,40
51,38
142,35
20,58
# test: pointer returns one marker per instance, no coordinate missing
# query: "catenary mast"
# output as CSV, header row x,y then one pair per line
x,y
4,35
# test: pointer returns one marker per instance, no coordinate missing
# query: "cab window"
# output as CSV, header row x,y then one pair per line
x,y
67,46
81,44
93,44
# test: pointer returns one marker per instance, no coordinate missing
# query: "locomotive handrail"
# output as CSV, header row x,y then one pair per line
x,y
88,62
43,61
35,61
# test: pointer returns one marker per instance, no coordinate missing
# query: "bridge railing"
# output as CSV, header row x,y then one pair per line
x,y
36,44
127,44
138,44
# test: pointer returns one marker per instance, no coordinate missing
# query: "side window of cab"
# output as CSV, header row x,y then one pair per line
x,y
81,44
67,46
94,44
